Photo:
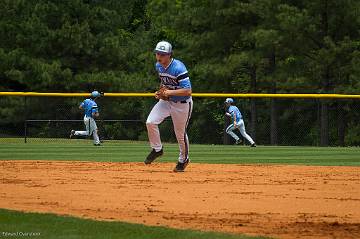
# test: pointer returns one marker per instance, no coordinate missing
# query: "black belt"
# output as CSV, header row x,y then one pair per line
x,y
182,102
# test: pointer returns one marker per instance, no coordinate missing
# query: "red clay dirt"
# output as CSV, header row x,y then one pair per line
x,y
271,200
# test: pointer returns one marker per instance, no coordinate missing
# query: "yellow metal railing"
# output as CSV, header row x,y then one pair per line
x,y
218,95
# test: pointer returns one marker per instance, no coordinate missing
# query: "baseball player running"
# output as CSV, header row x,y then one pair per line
x,y
174,100
237,122
91,111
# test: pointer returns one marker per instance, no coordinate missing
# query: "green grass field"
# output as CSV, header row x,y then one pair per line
x,y
50,226
53,226
126,151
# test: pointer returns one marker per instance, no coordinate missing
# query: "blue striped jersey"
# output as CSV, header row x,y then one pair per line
x,y
90,107
175,76
235,113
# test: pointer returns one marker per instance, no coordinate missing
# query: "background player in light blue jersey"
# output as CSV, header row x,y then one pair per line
x,y
174,101
91,112
237,122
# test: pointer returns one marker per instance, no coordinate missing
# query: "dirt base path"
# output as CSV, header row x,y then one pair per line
x,y
278,201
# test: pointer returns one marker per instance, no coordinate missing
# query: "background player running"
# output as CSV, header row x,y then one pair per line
x,y
237,122
91,111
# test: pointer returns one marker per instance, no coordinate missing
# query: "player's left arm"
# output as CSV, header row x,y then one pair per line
x,y
95,111
179,92
182,77
184,86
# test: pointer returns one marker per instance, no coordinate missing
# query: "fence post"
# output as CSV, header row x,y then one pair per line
x,y
25,120
25,131
227,138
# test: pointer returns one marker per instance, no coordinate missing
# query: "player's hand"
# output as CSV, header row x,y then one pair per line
x,y
162,93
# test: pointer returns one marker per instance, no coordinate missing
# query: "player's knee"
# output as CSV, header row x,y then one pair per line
x,y
150,124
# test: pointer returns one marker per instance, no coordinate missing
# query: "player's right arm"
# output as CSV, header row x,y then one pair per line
x,y
82,105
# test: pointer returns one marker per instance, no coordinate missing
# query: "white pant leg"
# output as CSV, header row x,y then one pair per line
x,y
241,127
229,130
81,133
180,115
93,130
157,115
96,137
87,128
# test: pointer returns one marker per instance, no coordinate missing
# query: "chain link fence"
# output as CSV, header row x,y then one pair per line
x,y
310,122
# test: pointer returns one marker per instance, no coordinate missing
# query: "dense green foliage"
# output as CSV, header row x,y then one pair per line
x,y
268,46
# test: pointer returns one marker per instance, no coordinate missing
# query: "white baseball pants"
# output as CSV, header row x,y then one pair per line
x,y
180,114
241,126
91,128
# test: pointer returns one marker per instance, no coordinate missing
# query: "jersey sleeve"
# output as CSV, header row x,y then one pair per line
x,y
94,108
182,76
83,104
157,66
233,114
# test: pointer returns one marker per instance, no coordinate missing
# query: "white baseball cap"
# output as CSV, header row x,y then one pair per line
x,y
163,47
229,100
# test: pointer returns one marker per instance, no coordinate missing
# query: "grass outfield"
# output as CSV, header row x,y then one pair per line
x,y
19,225
127,151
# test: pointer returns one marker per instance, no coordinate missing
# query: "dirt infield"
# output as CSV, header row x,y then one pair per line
x,y
278,201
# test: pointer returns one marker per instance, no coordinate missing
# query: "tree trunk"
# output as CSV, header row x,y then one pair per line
x,y
324,129
253,119
325,84
274,123
273,105
341,124
227,138
253,111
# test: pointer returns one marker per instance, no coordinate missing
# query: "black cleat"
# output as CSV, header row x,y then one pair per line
x,y
153,155
238,141
72,133
253,145
180,167
97,144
